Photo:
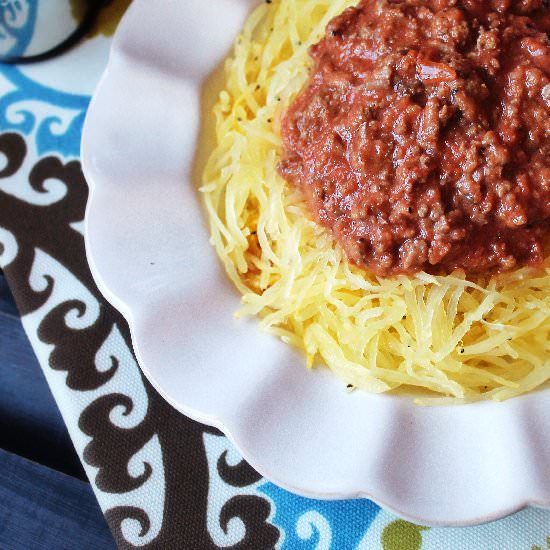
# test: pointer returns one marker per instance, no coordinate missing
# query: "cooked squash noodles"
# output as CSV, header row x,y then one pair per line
x,y
464,340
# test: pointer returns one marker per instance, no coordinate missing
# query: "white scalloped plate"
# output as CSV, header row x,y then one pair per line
x,y
148,248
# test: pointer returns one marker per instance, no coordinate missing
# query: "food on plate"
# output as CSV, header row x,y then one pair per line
x,y
372,204
422,138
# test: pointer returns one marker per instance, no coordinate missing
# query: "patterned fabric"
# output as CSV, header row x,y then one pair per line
x,y
162,480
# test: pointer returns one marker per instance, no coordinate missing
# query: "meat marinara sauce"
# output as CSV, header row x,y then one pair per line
x,y
422,140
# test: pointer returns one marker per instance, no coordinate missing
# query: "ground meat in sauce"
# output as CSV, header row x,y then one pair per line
x,y
422,138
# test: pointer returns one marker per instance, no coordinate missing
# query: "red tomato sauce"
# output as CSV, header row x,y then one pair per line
x,y
422,139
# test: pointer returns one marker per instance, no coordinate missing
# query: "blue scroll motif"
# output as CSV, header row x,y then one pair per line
x,y
336,525
17,25
67,142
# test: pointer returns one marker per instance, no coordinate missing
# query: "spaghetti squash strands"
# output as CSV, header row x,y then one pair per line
x,y
461,339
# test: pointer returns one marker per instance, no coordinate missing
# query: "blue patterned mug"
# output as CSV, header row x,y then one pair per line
x,y
34,30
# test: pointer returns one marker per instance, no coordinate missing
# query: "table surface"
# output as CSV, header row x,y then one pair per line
x,y
161,480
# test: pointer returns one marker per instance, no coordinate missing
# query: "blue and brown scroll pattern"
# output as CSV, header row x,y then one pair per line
x,y
303,523
80,341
